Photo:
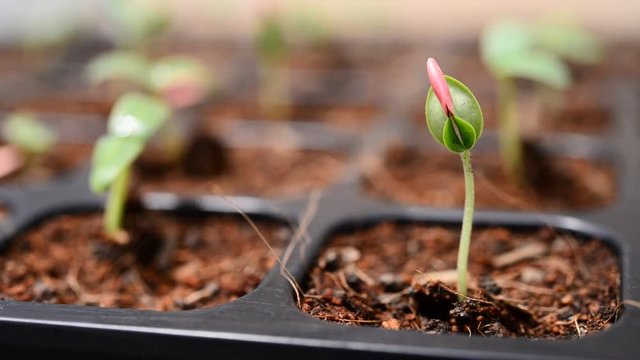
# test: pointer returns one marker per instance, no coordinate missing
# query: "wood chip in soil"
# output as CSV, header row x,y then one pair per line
x,y
436,179
171,262
397,276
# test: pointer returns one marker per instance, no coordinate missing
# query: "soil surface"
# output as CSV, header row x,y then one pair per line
x,y
170,262
63,158
345,116
536,284
436,179
250,171
80,103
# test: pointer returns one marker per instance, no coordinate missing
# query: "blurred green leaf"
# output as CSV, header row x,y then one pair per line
x,y
134,119
137,115
509,49
569,40
138,22
27,133
111,156
502,41
468,115
544,68
118,65
179,72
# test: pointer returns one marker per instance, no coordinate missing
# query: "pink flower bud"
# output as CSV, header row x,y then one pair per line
x,y
439,85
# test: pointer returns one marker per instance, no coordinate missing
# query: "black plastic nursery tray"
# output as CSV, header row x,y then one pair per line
x,y
267,321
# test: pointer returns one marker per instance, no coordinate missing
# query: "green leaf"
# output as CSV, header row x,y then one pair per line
x,y
111,156
126,66
501,41
137,115
460,136
27,133
569,41
541,67
174,71
467,111
509,49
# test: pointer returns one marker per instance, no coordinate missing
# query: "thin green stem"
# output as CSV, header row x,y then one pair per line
x,y
467,223
115,203
273,92
508,129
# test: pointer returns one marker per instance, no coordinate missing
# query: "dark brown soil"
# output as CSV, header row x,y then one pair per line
x,y
251,171
536,284
436,179
169,263
63,158
345,116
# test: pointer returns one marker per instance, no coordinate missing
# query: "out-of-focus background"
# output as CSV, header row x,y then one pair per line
x,y
416,19
343,75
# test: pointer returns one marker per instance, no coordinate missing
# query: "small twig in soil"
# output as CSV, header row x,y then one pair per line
x,y
364,277
444,276
524,252
388,298
578,330
524,287
468,297
289,277
301,233
571,242
72,280
208,291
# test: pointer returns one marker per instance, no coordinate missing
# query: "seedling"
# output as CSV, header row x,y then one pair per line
x,y
182,81
133,121
28,136
510,52
454,118
272,50
513,50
